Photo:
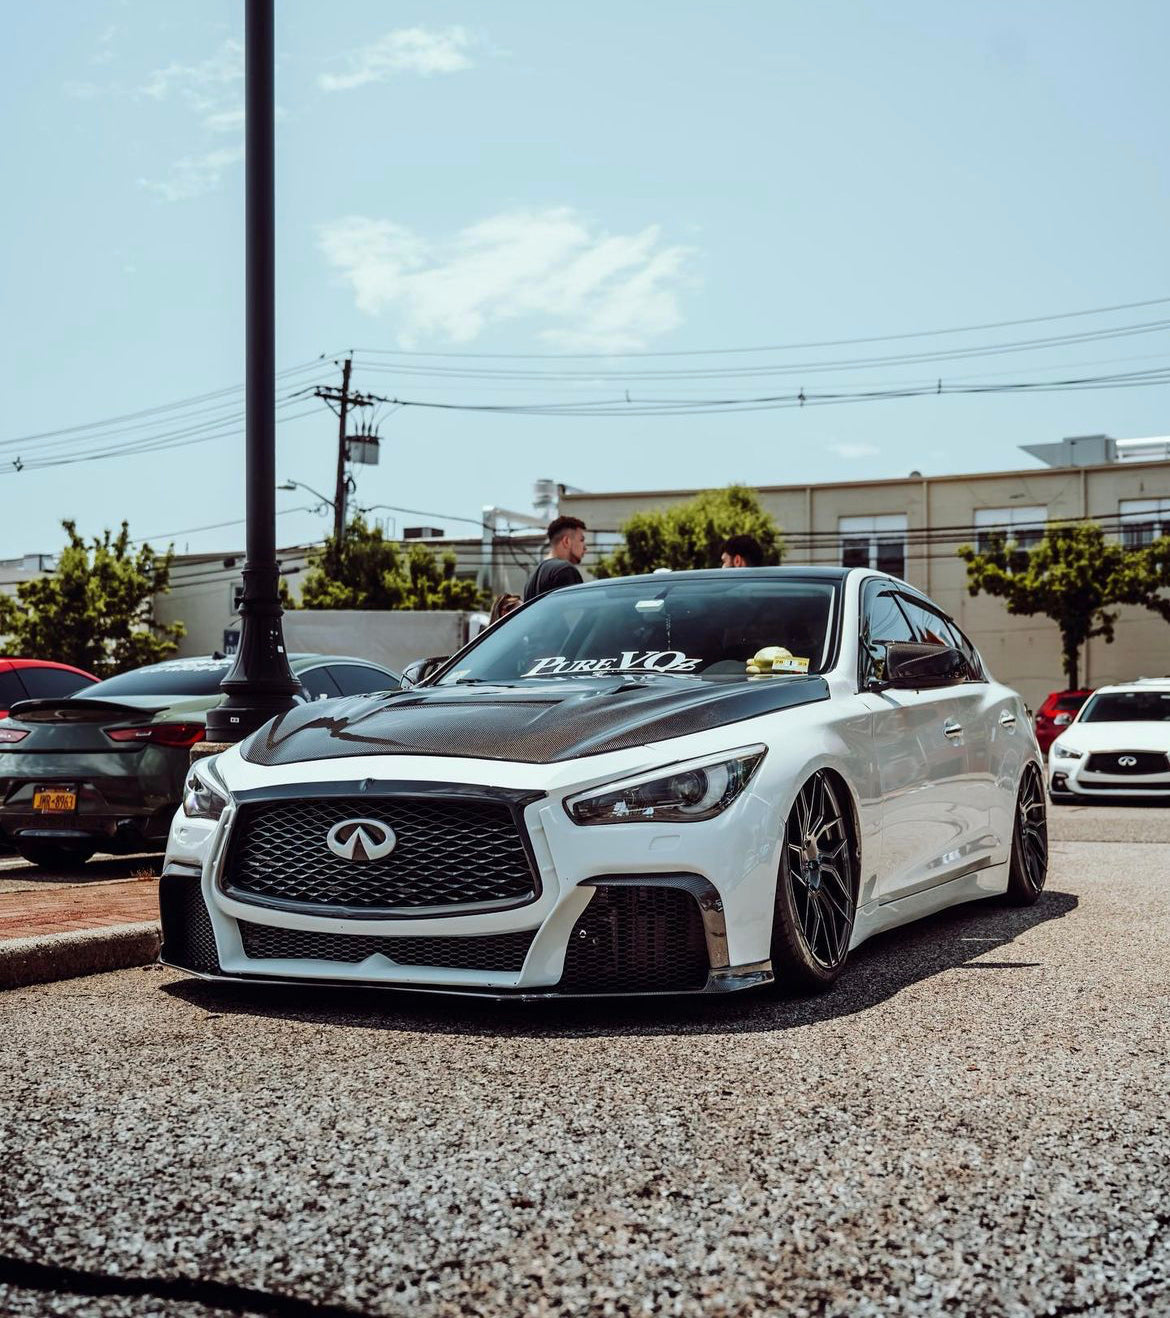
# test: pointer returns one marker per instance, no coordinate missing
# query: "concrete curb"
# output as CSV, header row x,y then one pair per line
x,y
40,960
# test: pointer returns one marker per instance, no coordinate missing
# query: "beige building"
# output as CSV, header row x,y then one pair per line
x,y
912,527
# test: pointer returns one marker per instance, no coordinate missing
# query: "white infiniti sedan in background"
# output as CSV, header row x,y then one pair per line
x,y
685,782
1117,746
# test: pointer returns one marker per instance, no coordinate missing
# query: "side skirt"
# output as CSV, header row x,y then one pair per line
x,y
876,918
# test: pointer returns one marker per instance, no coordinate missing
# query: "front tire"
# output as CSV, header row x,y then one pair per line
x,y
1028,867
816,889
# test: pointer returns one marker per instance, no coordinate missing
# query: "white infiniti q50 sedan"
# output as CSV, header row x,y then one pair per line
x,y
684,782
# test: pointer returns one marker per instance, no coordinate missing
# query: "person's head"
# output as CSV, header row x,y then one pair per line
x,y
503,606
566,539
741,551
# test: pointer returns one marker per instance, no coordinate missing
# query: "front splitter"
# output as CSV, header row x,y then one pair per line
x,y
727,979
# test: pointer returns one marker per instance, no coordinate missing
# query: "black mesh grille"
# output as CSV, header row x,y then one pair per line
x,y
447,853
1143,762
187,938
637,940
481,952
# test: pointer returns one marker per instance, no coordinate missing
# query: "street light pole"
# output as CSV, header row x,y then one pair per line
x,y
260,683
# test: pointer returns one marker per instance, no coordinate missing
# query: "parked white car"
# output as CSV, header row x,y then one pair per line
x,y
683,782
1117,746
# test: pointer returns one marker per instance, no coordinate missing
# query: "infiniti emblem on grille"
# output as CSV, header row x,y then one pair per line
x,y
1127,760
361,840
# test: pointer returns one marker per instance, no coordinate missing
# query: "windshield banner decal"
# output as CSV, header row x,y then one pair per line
x,y
629,661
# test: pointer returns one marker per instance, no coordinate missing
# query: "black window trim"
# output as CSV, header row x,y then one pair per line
x,y
902,591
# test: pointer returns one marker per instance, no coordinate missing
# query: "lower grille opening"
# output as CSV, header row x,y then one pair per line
x,y
637,940
505,952
187,937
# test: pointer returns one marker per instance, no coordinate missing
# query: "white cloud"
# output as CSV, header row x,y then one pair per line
x,y
194,175
212,89
853,451
405,50
204,85
105,47
601,292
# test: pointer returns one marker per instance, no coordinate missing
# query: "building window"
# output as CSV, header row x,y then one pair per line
x,y
877,542
1143,521
1022,528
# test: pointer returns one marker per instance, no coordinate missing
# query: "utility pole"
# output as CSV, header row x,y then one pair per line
x,y
344,401
260,683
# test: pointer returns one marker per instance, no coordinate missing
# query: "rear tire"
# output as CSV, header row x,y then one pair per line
x,y
50,856
1028,868
816,889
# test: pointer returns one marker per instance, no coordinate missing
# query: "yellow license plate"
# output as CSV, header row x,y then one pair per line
x,y
54,800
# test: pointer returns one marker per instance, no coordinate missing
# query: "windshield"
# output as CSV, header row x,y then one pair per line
x,y
178,677
1128,707
698,627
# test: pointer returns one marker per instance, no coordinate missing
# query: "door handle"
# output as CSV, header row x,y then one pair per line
x,y
1007,719
952,729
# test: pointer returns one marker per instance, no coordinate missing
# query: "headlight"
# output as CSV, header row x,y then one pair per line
x,y
699,789
204,794
1062,752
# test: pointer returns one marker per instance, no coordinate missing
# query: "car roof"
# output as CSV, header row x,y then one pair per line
x,y
1139,684
6,665
817,573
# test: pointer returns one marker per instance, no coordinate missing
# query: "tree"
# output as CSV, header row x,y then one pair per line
x,y
371,572
96,609
691,534
1073,576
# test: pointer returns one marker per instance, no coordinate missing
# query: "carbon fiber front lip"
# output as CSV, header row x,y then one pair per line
x,y
728,979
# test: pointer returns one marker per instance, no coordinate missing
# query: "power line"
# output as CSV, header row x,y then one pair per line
x,y
789,368
782,347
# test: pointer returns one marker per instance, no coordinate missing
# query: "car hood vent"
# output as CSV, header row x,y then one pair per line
x,y
556,721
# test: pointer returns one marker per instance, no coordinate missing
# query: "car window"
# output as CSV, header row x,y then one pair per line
x,y
176,677
971,654
318,684
883,623
1127,707
44,683
930,628
723,625
358,680
11,690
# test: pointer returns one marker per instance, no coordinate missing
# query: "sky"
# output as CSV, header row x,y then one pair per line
x,y
521,203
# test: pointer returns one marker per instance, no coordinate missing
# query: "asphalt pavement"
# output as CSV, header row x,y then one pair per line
x,y
973,1122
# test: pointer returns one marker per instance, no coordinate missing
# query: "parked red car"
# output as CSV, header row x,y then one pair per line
x,y
38,679
1057,712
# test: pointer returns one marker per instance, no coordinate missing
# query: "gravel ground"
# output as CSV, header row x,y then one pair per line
x,y
974,1122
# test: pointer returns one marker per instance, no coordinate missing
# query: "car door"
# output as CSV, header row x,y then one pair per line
x,y
929,811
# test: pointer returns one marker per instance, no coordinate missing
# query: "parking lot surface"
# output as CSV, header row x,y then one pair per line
x,y
974,1122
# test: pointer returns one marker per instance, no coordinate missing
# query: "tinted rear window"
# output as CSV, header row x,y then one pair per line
x,y
11,690
46,683
181,677
1071,702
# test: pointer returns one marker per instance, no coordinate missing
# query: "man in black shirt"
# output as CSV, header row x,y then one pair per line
x,y
566,548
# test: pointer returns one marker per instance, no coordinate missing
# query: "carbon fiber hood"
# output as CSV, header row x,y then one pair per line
x,y
536,724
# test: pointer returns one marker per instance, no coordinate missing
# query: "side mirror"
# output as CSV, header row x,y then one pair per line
x,y
418,670
911,667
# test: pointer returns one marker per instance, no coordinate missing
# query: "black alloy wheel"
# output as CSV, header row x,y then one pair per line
x,y
1028,868
816,889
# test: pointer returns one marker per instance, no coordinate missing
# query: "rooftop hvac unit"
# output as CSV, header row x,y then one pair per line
x,y
422,533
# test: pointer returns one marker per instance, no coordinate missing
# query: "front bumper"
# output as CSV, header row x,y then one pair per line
x,y
612,912
1073,780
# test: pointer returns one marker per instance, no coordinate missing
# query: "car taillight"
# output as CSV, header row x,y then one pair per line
x,y
10,735
177,735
